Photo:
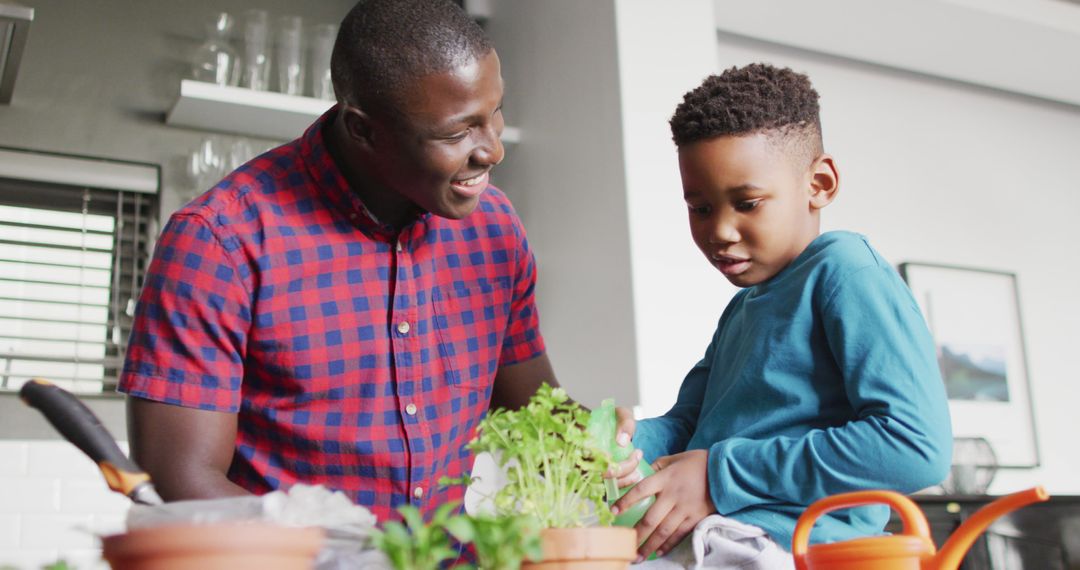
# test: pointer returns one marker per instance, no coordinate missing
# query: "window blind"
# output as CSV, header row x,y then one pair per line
x,y
72,259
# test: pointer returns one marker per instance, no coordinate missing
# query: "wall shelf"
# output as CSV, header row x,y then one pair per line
x,y
254,113
243,111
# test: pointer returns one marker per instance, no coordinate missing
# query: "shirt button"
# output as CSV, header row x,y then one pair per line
x,y
410,409
403,327
418,493
399,245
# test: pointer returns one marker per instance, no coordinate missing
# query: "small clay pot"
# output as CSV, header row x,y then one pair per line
x,y
254,546
590,548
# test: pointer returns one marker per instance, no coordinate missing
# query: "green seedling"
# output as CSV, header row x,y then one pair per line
x,y
416,545
555,472
501,543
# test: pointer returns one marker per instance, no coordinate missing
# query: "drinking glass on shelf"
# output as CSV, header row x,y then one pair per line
x,y
204,166
215,60
240,151
211,161
208,163
322,45
256,74
289,61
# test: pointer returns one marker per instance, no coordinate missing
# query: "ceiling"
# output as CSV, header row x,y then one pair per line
x,y
1028,47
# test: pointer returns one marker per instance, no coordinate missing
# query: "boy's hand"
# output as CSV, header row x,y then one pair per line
x,y
625,473
681,487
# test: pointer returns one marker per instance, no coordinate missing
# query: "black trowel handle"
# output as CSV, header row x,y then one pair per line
x,y
81,427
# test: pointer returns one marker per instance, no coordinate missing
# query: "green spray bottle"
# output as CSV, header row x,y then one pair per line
x,y
602,432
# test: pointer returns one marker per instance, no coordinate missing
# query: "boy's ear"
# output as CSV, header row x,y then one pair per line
x,y
824,181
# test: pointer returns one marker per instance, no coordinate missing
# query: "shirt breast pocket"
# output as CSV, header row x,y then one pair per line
x,y
470,322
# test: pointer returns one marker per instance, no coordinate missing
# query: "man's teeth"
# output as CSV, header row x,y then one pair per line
x,y
470,181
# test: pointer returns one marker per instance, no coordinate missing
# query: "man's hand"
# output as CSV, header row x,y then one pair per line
x,y
681,487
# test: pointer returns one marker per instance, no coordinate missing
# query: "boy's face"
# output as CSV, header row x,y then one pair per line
x,y
753,208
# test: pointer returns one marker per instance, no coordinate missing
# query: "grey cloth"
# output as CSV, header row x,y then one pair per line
x,y
720,543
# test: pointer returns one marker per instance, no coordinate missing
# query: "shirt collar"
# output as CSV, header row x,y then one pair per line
x,y
331,183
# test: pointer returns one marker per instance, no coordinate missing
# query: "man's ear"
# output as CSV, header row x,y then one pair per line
x,y
358,126
824,181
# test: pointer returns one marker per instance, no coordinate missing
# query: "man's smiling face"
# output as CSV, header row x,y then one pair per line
x,y
436,147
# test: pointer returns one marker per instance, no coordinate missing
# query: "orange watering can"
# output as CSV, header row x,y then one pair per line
x,y
912,550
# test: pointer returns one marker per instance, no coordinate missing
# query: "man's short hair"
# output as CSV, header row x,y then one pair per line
x,y
384,44
756,98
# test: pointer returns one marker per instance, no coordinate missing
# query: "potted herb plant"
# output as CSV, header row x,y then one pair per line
x,y
555,474
500,543
414,544
552,512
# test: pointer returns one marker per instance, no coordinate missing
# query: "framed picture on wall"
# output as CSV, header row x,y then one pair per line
x,y
974,316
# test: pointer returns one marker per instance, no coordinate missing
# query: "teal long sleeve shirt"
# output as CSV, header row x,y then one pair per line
x,y
821,380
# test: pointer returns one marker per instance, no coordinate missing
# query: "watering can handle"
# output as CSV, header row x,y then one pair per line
x,y
913,518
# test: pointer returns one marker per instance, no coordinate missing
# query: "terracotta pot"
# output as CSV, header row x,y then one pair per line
x,y
592,548
214,547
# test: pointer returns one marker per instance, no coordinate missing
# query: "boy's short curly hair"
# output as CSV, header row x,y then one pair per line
x,y
747,100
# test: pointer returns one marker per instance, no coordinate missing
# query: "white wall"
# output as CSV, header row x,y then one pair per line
x,y
1024,46
932,170
665,48
566,181
53,503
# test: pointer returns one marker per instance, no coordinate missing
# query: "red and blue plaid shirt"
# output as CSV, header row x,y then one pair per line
x,y
355,358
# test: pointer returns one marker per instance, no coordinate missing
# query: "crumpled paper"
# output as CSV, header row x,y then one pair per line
x,y
348,526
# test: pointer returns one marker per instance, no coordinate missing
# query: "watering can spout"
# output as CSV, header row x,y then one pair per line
x,y
954,549
911,549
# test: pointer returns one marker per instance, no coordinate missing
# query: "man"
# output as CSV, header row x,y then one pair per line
x,y
343,309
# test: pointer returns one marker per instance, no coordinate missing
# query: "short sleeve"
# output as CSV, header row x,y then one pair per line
x,y
522,340
188,340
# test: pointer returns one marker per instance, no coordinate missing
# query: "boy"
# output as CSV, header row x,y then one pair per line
x,y
821,377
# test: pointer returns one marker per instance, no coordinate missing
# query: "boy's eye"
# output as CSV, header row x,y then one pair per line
x,y
699,210
746,205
